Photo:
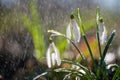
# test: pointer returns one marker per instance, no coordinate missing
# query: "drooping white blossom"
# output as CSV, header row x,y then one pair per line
x,y
76,32
53,56
102,33
73,31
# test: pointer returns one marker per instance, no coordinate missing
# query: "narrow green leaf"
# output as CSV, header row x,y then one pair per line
x,y
106,47
90,51
99,46
80,21
117,74
97,16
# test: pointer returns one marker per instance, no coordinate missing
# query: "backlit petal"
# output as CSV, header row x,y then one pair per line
x,y
57,55
76,32
68,32
100,28
102,33
53,58
48,57
104,36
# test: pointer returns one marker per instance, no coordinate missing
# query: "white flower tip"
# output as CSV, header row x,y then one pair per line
x,y
114,31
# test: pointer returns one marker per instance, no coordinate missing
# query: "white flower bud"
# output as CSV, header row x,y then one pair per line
x,y
53,55
73,31
102,33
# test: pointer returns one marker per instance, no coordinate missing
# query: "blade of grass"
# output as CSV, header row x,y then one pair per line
x,y
88,72
90,51
80,21
38,76
107,46
83,34
117,74
98,38
69,70
97,16
97,22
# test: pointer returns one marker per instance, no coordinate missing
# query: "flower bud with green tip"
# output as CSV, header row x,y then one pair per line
x,y
73,30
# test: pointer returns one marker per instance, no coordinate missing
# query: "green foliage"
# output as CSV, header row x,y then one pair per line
x,y
61,45
100,70
89,24
79,71
35,28
117,74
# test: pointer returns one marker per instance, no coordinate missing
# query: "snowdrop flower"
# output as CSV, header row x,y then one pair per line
x,y
73,31
53,55
102,33
110,58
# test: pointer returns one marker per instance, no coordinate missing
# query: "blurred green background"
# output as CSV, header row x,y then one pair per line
x,y
54,14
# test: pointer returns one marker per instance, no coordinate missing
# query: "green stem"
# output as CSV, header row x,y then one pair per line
x,y
116,74
86,41
98,38
83,58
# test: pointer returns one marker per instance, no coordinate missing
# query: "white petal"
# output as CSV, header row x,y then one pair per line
x,y
76,32
48,57
57,55
100,28
68,32
104,36
53,58
102,33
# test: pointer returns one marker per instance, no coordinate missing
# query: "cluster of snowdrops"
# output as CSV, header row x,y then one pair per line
x,y
74,32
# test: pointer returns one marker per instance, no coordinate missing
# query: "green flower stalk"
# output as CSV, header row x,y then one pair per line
x,y
84,35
